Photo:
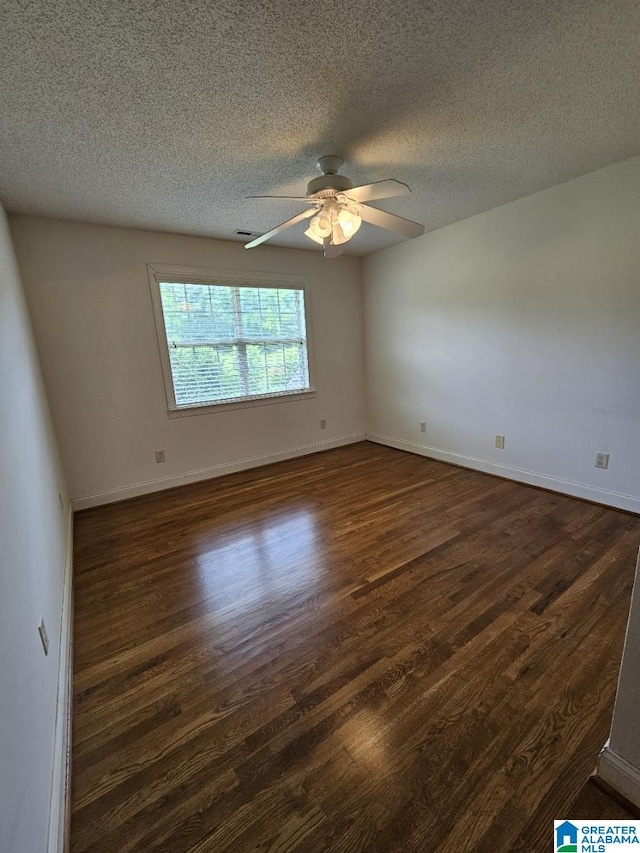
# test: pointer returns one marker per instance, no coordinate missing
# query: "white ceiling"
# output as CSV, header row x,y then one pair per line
x,y
165,114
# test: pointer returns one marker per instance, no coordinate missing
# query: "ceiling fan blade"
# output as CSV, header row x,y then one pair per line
x,y
381,189
288,198
391,222
298,218
330,249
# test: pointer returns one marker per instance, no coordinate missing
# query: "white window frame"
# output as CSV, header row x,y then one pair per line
x,y
236,278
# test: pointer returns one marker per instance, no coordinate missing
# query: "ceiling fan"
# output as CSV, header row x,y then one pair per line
x,y
338,209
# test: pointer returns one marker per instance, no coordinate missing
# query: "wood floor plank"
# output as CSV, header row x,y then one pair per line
x,y
359,650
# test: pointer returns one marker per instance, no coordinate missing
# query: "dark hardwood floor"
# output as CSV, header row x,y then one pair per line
x,y
594,802
360,650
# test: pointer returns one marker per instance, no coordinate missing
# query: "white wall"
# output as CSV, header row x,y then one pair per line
x,y
33,556
525,322
90,302
625,729
619,762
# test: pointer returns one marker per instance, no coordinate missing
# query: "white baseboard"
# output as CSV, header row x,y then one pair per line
x,y
631,503
623,777
144,488
60,782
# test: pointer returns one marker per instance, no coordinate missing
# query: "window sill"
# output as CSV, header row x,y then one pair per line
x,y
287,397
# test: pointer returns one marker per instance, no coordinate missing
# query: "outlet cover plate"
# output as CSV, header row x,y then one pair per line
x,y
602,460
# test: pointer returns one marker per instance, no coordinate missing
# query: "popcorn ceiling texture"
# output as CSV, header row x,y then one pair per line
x,y
165,115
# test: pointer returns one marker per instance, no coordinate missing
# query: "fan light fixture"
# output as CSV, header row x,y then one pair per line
x,y
337,221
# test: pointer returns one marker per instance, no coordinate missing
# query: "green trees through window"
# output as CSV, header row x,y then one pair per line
x,y
230,343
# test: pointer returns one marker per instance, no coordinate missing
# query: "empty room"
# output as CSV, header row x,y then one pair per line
x,y
320,419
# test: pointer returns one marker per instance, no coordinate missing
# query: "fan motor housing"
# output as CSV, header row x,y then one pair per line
x,y
337,183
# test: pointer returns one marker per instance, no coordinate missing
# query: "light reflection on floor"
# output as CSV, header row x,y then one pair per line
x,y
364,738
253,572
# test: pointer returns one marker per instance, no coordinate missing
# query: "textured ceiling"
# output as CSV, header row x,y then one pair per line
x,y
165,115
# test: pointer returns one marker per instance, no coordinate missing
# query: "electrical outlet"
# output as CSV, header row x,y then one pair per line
x,y
159,455
44,637
602,460
323,424
423,426
500,442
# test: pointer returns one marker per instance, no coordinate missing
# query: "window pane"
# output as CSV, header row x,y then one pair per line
x,y
234,342
278,367
289,301
252,325
249,299
205,373
257,369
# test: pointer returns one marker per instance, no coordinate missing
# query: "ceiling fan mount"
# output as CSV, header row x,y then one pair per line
x,y
329,182
337,209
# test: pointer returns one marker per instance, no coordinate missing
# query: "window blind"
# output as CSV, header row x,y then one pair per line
x,y
231,343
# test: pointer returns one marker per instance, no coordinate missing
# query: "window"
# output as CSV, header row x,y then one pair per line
x,y
230,341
